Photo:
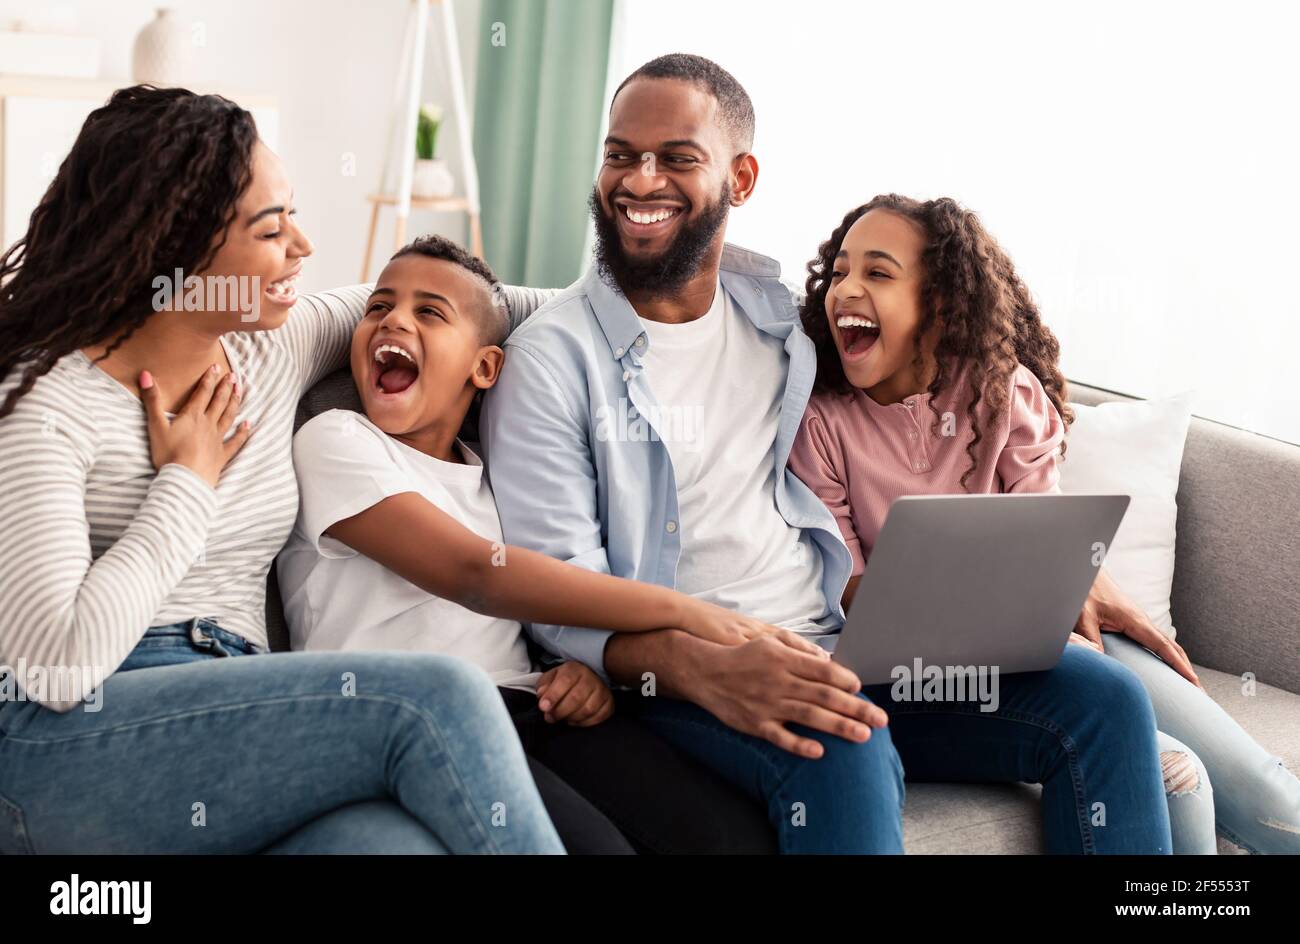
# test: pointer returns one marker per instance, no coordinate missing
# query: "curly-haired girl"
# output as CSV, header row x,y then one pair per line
x,y
935,375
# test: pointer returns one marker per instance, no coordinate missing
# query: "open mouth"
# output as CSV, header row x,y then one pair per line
x,y
284,291
395,369
648,220
858,335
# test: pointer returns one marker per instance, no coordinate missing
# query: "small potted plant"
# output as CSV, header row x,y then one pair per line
x,y
432,176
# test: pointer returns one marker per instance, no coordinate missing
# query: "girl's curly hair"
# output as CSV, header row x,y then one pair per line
x,y
150,185
987,317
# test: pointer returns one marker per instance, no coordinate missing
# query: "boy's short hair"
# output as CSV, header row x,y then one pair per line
x,y
493,319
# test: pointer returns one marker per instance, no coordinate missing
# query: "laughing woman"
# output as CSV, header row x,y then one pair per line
x,y
142,510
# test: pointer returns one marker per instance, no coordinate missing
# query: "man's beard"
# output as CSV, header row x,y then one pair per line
x,y
663,274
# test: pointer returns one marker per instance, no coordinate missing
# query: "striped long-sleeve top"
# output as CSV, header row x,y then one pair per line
x,y
95,546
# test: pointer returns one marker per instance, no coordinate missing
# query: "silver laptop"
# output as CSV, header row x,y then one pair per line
x,y
982,580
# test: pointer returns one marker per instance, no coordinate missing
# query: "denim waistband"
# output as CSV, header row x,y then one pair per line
x,y
189,641
193,640
203,632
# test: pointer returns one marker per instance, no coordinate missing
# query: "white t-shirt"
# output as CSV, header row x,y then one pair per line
x,y
719,382
336,598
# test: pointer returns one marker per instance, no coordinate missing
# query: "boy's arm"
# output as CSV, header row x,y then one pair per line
x,y
355,499
536,434
415,539
545,487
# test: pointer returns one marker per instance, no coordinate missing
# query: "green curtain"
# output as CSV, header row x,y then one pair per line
x,y
537,122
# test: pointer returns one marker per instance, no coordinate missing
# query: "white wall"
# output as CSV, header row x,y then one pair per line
x,y
1138,160
330,63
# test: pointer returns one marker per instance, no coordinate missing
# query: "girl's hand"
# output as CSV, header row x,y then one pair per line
x,y
572,692
1108,608
719,625
1085,641
194,437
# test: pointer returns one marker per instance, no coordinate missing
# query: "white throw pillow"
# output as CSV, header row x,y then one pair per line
x,y
1134,448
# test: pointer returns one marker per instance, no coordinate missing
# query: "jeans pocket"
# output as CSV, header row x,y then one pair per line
x,y
13,830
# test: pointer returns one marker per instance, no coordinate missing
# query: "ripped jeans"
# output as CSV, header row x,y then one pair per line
x,y
1249,795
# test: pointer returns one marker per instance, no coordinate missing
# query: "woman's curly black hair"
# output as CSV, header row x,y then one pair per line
x,y
150,185
986,314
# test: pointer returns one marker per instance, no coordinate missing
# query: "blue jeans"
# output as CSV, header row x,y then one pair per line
x,y
1189,796
1085,730
196,749
1255,799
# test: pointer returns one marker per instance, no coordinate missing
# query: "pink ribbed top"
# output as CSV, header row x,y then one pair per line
x,y
858,456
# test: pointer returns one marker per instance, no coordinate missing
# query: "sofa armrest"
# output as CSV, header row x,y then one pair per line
x,y
1236,595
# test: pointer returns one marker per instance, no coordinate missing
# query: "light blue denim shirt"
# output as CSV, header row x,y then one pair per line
x,y
568,488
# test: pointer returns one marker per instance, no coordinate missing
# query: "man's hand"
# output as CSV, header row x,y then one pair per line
x,y
573,693
1109,609
760,686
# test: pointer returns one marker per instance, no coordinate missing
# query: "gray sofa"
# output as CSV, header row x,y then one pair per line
x,y
1236,604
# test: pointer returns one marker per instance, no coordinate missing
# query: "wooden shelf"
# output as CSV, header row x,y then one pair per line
x,y
436,204
439,204
403,118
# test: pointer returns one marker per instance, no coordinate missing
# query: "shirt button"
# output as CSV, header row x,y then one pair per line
x,y
922,466
911,434
627,375
758,289
671,527
640,341
618,352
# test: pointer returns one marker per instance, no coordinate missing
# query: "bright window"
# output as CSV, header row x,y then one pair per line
x,y
1139,162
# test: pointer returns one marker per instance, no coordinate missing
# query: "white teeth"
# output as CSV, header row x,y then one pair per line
x,y
284,286
386,348
855,321
638,217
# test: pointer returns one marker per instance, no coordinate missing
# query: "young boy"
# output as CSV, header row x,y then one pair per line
x,y
398,545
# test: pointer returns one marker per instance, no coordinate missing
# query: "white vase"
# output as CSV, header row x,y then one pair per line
x,y
432,178
161,55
